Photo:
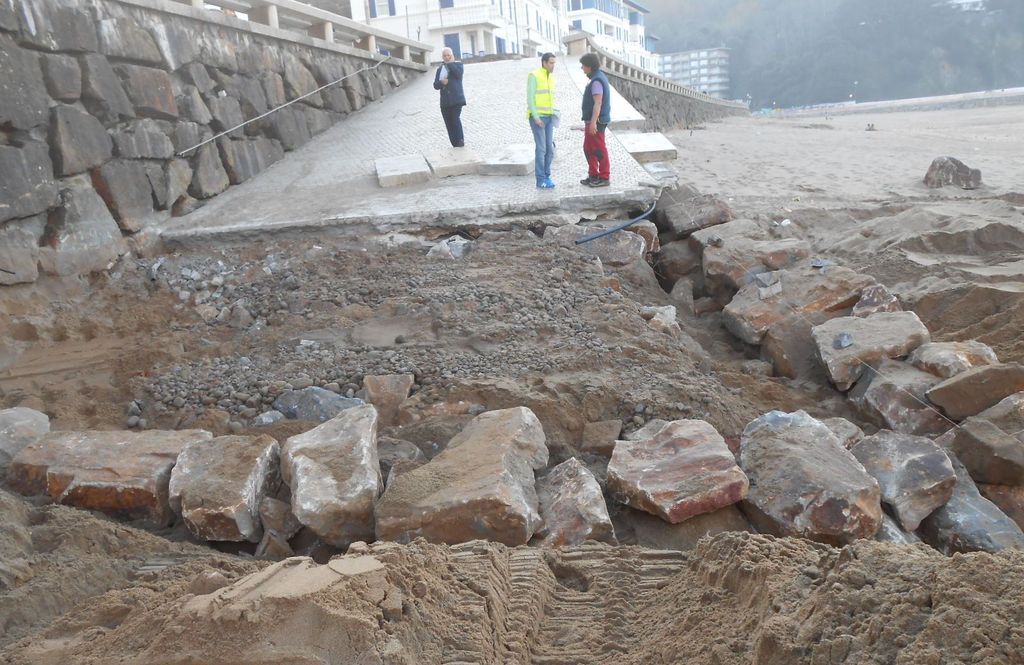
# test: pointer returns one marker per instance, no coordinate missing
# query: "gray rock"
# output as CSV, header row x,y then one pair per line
x,y
969,522
273,88
208,177
125,187
63,76
19,427
27,186
890,532
974,390
991,443
23,102
317,120
142,139
226,113
617,249
19,248
177,45
848,433
315,404
102,92
8,19
288,126
876,298
150,91
682,210
188,135
334,476
196,73
299,81
914,474
179,176
572,507
267,418
123,38
78,140
951,171
191,106
82,236
892,395
397,451
157,178
947,359
251,97
278,516
244,158
58,25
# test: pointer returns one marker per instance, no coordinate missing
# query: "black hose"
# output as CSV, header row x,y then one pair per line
x,y
608,232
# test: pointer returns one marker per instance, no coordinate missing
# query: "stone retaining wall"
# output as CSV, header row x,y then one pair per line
x,y
100,98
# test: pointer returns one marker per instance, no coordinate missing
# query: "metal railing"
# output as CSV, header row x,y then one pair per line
x,y
579,43
293,16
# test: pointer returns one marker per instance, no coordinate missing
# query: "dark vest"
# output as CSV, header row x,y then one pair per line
x,y
606,100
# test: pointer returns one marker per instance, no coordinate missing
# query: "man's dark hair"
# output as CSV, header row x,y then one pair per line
x,y
591,60
547,56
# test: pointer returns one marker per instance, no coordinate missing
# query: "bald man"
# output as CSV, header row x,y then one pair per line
x,y
448,80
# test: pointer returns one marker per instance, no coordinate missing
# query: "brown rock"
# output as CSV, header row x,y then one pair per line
x,y
805,290
848,433
947,359
334,476
217,486
732,265
789,347
848,343
974,390
876,298
126,189
387,393
649,232
19,427
893,396
572,507
804,483
599,438
951,171
150,91
646,530
682,210
969,522
274,546
685,469
991,444
392,452
914,474
123,474
277,515
1008,498
481,486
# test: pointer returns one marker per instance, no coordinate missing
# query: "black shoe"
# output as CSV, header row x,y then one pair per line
x,y
600,182
588,181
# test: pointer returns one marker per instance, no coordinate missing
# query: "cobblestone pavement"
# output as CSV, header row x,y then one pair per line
x,y
331,181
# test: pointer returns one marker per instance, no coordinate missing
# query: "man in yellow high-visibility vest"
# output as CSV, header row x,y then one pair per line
x,y
541,114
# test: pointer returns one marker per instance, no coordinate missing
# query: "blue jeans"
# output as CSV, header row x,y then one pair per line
x,y
544,142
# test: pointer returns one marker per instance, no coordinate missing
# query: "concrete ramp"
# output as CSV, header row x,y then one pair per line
x,y
331,184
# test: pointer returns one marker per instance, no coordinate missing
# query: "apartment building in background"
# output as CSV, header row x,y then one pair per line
x,y
617,27
706,70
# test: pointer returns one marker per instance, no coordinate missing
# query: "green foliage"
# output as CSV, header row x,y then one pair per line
x,y
796,52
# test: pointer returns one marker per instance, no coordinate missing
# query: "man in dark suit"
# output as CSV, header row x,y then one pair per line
x,y
448,80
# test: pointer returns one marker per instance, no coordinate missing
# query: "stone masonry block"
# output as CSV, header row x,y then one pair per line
x,y
402,170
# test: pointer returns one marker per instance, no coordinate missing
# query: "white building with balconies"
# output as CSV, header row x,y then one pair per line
x,y
706,70
617,26
471,28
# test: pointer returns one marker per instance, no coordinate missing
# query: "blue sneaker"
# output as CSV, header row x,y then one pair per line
x,y
546,183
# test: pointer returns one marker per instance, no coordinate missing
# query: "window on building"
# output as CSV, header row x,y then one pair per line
x,y
577,25
382,8
447,4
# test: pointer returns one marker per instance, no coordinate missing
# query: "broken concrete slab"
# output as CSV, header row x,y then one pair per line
x,y
387,393
513,159
685,469
947,359
481,486
849,343
991,443
334,476
804,483
451,162
972,391
893,395
572,507
402,170
122,474
648,146
913,473
968,522
217,486
804,290
19,427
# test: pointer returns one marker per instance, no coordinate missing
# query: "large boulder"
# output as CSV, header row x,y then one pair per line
x,y
914,474
675,261
124,39
27,187
951,171
82,236
126,189
313,403
849,434
481,486
102,92
151,91
23,101
208,176
387,392
991,444
334,476
734,253
947,359
789,347
1008,498
804,483
617,249
143,139
893,396
244,158
890,532
288,125
57,25
846,345
685,469
79,141
123,474
974,390
217,486
681,211
572,507
19,427
800,291
19,248
876,298
968,522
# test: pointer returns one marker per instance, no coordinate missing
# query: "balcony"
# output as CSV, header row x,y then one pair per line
x,y
481,16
